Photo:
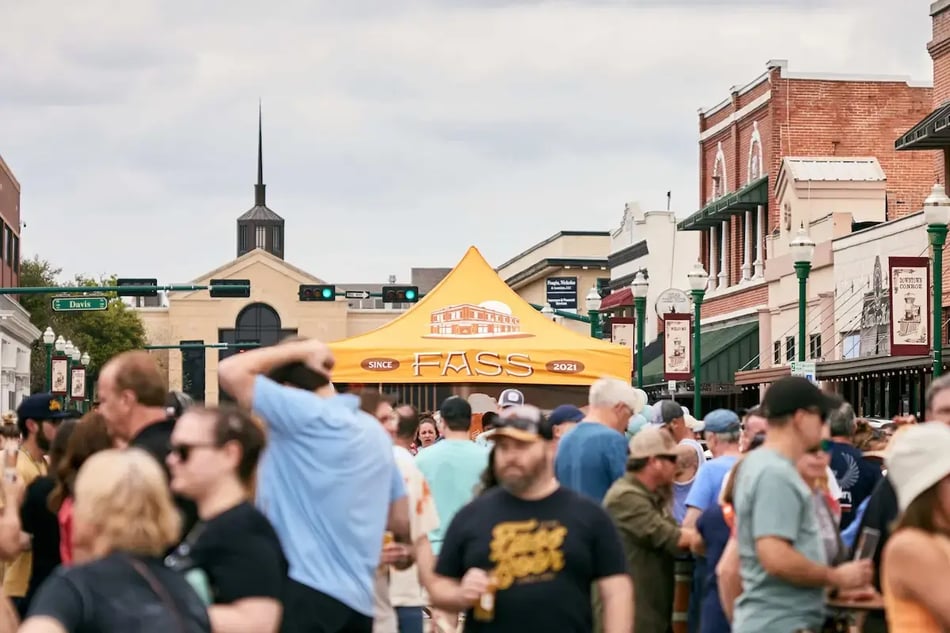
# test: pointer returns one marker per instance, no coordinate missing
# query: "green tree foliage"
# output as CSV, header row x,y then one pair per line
x,y
102,334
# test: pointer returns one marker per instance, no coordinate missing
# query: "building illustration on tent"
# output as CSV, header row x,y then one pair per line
x,y
488,319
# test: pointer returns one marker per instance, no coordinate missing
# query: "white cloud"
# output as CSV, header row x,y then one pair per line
x,y
396,133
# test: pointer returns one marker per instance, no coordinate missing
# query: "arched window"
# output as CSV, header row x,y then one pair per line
x,y
258,322
755,153
719,174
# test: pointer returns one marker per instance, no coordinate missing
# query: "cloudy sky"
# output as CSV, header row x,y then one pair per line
x,y
396,132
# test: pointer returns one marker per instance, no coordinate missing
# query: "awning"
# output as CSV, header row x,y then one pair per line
x,y
931,133
748,198
617,298
725,350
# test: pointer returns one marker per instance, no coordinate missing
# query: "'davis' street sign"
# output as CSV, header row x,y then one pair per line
x,y
79,304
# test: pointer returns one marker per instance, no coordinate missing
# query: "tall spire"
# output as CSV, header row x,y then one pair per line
x,y
259,198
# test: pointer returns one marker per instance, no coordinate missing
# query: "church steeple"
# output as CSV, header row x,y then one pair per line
x,y
260,227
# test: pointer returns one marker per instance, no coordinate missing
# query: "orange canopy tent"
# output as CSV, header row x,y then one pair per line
x,y
473,328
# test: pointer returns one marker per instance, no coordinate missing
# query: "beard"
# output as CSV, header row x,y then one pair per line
x,y
42,441
518,480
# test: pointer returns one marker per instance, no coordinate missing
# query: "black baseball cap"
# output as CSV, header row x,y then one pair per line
x,y
793,393
455,408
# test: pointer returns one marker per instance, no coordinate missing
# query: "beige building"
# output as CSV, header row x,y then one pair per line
x,y
560,271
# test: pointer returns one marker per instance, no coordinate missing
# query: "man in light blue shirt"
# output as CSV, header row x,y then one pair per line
x,y
328,482
452,467
723,430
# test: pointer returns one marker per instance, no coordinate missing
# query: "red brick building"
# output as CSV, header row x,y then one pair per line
x,y
744,138
9,227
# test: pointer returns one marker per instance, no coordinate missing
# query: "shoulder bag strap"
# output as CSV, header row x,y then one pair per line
x,y
160,591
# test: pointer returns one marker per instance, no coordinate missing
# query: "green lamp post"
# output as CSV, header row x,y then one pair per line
x,y
802,249
68,352
698,278
60,348
640,287
49,337
84,360
593,311
937,214
76,356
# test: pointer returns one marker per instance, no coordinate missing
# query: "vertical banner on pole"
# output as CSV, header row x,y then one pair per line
x,y
909,304
677,347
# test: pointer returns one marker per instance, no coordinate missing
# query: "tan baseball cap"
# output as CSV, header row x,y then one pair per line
x,y
652,441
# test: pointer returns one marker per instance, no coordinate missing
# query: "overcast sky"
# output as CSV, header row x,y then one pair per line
x,y
396,133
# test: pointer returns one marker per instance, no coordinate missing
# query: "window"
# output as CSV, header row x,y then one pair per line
x,y
851,345
242,238
755,153
777,353
789,348
276,234
814,347
719,173
260,237
16,254
9,245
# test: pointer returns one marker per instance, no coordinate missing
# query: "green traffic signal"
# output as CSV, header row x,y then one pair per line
x,y
327,293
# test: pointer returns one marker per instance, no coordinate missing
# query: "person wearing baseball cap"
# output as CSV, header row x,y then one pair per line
x,y
563,419
510,398
783,560
722,430
638,504
577,544
916,558
594,455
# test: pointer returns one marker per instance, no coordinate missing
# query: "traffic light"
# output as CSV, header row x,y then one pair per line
x,y
400,294
240,293
124,281
317,292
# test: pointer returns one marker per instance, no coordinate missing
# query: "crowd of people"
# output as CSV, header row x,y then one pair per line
x,y
307,507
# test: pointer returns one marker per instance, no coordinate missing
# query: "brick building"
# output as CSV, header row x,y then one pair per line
x,y
16,332
744,142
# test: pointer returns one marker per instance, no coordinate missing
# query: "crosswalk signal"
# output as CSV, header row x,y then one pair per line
x,y
400,294
317,292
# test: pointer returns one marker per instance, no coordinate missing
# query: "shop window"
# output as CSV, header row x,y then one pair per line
x,y
777,353
851,345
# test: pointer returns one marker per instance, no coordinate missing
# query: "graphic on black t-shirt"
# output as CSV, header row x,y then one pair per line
x,y
527,551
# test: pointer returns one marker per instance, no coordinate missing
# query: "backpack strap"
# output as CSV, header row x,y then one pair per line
x,y
160,591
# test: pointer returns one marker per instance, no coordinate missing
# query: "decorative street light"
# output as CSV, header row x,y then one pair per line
x,y
698,278
593,311
937,214
803,252
547,311
49,337
68,349
85,359
640,287
60,344
68,352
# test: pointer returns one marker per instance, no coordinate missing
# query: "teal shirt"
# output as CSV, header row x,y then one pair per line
x,y
453,469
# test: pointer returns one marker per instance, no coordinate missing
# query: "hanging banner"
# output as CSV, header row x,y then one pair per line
x,y
59,376
677,347
77,384
909,285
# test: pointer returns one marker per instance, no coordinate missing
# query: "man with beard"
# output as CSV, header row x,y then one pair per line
x,y
38,418
538,547
638,504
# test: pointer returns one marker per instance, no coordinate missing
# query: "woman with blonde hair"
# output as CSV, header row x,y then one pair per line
x,y
124,519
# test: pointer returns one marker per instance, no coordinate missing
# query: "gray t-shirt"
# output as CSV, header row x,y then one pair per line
x,y
771,499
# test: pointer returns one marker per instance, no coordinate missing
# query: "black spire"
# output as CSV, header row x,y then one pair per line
x,y
259,197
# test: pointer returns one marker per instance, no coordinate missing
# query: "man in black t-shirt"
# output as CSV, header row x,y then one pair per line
x,y
529,549
132,396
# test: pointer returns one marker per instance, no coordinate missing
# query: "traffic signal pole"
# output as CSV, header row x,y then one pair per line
x,y
184,346
121,290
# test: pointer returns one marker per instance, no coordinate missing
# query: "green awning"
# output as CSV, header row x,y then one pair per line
x,y
725,351
746,199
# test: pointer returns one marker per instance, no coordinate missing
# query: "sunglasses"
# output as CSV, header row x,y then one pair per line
x,y
667,458
823,447
183,451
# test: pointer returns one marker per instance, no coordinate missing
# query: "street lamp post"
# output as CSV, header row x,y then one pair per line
x,y
640,287
49,337
76,355
60,347
68,352
593,311
937,214
698,278
803,251
84,360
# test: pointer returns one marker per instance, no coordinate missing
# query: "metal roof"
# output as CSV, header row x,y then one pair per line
x,y
835,169
260,212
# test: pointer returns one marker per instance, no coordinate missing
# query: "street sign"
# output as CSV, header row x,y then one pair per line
x,y
671,386
805,369
357,294
79,304
672,300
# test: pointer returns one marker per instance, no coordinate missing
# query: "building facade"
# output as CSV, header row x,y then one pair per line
x,y
560,271
16,332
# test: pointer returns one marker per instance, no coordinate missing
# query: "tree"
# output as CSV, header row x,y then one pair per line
x,y
102,334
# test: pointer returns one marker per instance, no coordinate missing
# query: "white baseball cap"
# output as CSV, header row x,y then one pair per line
x,y
510,398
